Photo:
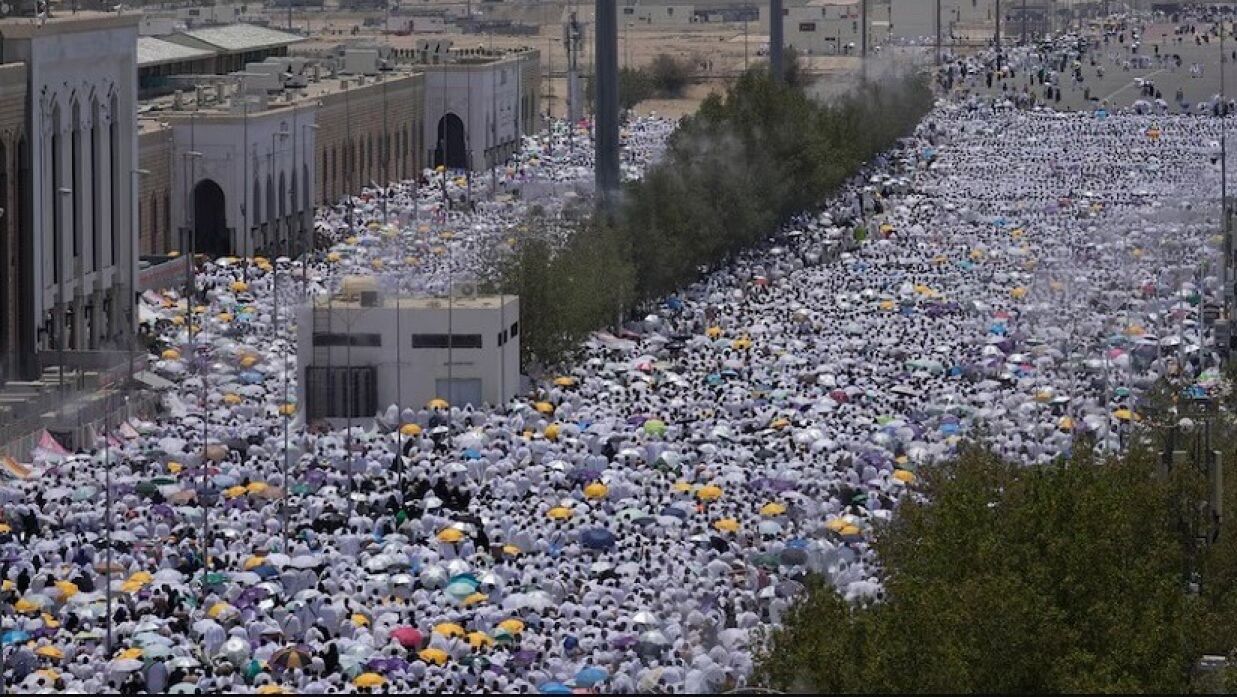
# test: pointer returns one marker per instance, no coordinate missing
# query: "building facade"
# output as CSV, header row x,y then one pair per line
x,y
16,331
154,201
81,127
478,105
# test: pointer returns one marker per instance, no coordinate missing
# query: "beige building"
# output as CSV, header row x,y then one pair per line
x,y
820,27
155,229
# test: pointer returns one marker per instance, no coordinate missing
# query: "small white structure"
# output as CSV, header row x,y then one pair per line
x,y
360,351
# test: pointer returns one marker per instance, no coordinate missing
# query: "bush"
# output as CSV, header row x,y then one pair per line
x,y
745,163
669,75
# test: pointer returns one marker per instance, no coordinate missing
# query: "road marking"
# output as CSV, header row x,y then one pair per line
x,y
1130,84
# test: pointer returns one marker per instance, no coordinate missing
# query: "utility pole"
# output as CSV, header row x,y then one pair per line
x,y
776,41
938,31
573,38
998,33
1024,22
607,120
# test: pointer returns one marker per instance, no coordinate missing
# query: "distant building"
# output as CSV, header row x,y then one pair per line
x,y
657,13
358,352
819,27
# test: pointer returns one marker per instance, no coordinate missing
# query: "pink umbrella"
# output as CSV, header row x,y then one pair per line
x,y
408,637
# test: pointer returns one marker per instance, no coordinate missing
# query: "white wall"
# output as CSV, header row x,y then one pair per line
x,y
489,92
222,138
497,367
91,64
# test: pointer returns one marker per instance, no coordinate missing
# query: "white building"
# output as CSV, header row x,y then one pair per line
x,y
473,107
82,86
655,13
359,352
820,27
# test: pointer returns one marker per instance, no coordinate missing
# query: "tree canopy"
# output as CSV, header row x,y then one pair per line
x,y
1004,578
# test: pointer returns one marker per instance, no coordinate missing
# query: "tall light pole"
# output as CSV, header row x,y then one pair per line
x,y
776,41
62,330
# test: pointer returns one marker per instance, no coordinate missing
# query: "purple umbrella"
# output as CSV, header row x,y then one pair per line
x,y
524,657
387,665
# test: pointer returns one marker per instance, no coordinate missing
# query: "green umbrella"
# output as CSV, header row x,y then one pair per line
x,y
655,427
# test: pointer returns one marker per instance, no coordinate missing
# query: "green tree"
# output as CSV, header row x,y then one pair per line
x,y
670,75
1004,578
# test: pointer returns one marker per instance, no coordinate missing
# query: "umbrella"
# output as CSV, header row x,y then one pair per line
x,y
290,658
590,675
370,680
13,636
449,629
709,493
435,656
553,688
408,637
597,538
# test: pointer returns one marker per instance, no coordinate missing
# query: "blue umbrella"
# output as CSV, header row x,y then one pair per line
x,y
265,571
251,377
590,675
472,454
13,636
553,688
597,538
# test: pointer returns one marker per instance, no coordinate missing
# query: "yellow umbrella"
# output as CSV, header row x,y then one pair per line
x,y
596,490
175,467
271,690
360,620
450,535
711,492
475,599
131,586
1043,396
376,264
512,550
249,360
141,576
49,652
217,609
67,588
1135,330
233,492
1065,423
287,409
449,629
1126,415
780,423
727,525
232,399
438,403
741,344
552,431
544,407
410,429
682,487
559,513
772,509
940,259
351,240
254,562
849,530
369,680
479,639
512,625
48,673
170,355
836,524
132,654
23,606
333,257
178,320
713,332
565,381
904,476
257,487
50,622
436,656
239,287
224,316
1018,293
977,254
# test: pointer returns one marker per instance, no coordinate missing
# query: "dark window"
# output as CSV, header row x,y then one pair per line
x,y
442,341
629,10
502,338
341,392
807,26
515,329
370,340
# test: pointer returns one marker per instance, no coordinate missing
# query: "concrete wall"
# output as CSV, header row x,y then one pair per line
x,y
351,122
915,18
15,335
498,367
155,225
258,170
83,86
486,97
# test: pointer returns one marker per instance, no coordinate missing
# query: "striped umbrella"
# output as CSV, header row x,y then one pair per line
x,y
290,658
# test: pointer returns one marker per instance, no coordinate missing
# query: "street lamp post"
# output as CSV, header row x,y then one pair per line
x,y
60,330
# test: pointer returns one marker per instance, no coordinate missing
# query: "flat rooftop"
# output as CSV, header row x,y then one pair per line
x,y
475,302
